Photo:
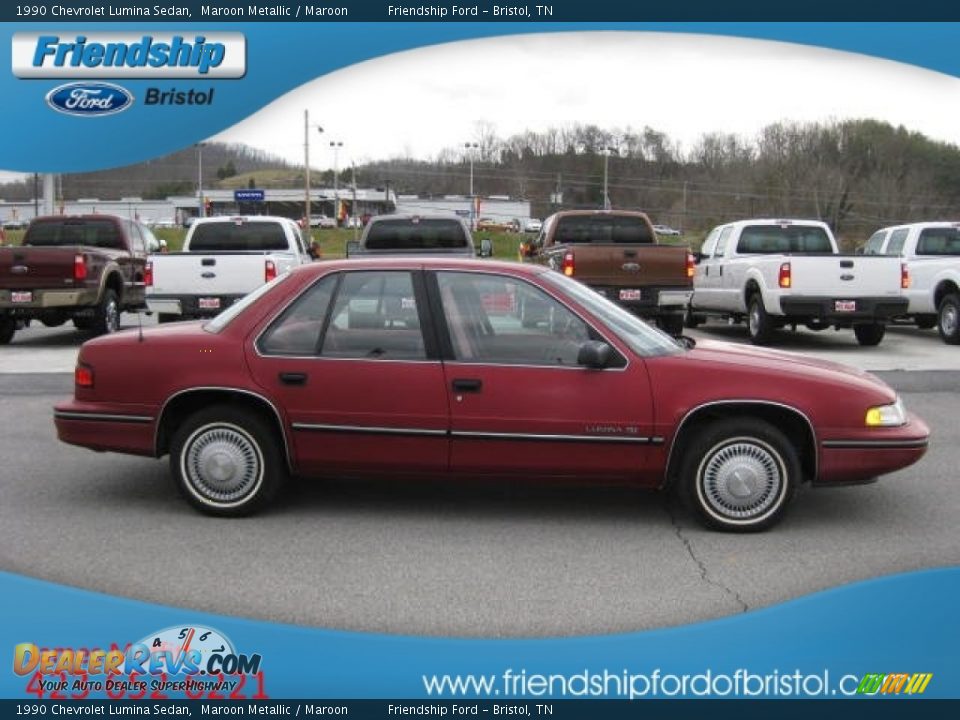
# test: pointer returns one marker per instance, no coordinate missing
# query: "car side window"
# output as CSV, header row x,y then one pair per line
x,y
297,330
722,242
897,239
875,243
375,317
505,321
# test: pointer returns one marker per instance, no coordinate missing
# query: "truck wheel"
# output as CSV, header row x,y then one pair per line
x,y
925,322
167,318
671,324
226,461
948,319
870,335
759,323
82,323
690,319
107,318
739,475
8,328
53,319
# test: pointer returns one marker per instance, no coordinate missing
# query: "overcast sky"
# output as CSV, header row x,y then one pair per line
x,y
418,102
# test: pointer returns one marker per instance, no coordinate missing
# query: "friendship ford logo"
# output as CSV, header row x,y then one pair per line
x,y
89,99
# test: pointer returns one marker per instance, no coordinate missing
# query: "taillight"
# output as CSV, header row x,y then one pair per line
x,y
904,276
691,265
269,271
148,274
79,267
785,280
567,266
83,376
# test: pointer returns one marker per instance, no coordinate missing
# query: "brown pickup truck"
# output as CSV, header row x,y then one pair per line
x,y
85,268
616,253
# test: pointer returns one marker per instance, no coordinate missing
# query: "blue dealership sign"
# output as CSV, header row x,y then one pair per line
x,y
248,195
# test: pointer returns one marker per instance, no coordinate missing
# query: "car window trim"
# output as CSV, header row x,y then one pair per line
x,y
443,330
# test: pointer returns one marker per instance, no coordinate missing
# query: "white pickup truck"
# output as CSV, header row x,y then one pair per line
x,y
778,273
931,251
223,259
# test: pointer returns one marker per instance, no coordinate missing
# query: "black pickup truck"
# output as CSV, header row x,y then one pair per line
x,y
85,268
416,235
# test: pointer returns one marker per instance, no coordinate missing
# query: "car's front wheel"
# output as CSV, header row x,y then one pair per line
x,y
8,328
107,318
227,461
759,323
739,475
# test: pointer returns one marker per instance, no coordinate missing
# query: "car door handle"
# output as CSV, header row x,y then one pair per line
x,y
467,385
293,378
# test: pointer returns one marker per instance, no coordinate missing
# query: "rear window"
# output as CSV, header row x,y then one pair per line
x,y
238,236
96,233
602,229
939,241
772,239
414,234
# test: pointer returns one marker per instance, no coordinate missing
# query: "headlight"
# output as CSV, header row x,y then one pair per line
x,y
887,415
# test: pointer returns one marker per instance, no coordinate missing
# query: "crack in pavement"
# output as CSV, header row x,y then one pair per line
x,y
701,566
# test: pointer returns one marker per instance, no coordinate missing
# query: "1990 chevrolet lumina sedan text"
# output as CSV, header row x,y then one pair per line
x,y
423,367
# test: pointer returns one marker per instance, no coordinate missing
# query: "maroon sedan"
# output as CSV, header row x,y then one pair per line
x,y
458,368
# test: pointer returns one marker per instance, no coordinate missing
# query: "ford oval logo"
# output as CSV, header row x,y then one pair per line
x,y
89,99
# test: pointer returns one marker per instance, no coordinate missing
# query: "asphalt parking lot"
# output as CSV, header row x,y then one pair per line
x,y
493,559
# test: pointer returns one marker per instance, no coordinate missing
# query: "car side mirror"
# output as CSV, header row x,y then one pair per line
x,y
486,248
594,354
353,247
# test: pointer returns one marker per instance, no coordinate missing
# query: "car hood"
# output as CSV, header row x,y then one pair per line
x,y
786,366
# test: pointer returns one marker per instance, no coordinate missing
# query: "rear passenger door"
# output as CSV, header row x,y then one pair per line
x,y
359,380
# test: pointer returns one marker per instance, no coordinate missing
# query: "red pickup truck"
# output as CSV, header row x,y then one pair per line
x,y
85,268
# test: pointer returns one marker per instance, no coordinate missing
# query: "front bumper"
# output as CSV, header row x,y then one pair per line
x,y
867,309
864,456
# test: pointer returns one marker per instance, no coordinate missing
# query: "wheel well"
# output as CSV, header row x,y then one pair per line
x,y
115,282
791,422
182,406
943,289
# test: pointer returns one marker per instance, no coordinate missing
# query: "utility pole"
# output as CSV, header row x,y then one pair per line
x,y
200,207
471,147
356,217
683,218
306,168
606,172
336,145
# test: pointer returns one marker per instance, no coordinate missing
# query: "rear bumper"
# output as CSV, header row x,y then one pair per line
x,y
101,428
862,459
867,309
47,299
653,300
188,305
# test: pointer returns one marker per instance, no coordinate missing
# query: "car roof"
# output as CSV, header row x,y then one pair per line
x,y
419,216
924,224
242,218
397,262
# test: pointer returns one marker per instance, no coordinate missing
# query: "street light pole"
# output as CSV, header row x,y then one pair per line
x,y
306,168
201,210
606,173
336,145
470,147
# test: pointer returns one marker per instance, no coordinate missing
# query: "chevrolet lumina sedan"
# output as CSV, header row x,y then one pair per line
x,y
457,368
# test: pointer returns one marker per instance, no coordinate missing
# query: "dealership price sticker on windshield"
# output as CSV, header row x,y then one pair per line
x,y
547,360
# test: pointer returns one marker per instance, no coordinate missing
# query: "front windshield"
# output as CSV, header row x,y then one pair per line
x,y
227,316
643,339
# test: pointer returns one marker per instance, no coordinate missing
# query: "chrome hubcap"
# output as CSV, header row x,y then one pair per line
x,y
741,479
112,317
948,319
754,320
222,464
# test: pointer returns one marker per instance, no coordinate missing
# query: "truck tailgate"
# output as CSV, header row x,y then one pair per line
x,y
32,268
845,275
212,274
630,265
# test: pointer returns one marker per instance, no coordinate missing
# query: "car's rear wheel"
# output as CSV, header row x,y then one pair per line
x,y
671,324
948,319
739,475
870,335
759,323
227,461
8,328
107,318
